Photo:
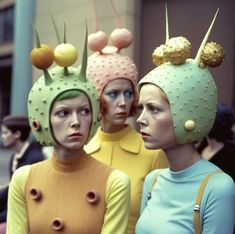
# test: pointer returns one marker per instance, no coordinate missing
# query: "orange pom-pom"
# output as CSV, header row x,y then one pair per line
x,y
42,57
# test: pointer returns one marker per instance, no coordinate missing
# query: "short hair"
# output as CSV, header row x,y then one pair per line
x,y
222,128
17,123
68,95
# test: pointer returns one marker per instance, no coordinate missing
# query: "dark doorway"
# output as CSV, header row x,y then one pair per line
x,y
5,89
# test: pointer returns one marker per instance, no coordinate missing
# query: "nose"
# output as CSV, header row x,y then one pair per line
x,y
75,120
122,100
141,119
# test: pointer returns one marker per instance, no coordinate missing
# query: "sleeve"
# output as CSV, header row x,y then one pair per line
x,y
17,218
117,203
160,160
219,210
147,188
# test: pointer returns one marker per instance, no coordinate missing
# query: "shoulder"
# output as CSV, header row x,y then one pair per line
x,y
94,144
153,174
21,171
221,184
20,176
118,178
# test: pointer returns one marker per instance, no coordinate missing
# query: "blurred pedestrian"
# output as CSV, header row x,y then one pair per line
x,y
217,146
15,131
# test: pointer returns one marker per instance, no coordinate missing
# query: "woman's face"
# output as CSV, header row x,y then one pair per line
x,y
71,121
118,96
155,120
8,137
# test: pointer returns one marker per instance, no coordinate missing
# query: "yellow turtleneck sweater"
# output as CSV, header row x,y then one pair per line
x,y
64,206
125,151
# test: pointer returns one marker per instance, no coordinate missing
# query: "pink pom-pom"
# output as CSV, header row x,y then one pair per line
x,y
97,41
121,38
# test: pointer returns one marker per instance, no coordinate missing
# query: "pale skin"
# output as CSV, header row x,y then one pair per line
x,y
213,147
156,128
71,122
118,95
11,139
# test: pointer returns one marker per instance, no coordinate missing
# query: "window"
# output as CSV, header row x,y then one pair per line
x,y
6,25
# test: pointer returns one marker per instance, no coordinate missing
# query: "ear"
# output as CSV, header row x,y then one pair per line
x,y
99,117
17,134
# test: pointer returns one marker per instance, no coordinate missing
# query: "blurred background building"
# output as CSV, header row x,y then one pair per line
x,y
145,18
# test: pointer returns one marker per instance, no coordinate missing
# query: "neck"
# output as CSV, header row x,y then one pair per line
x,y
212,148
182,156
64,154
214,144
111,128
18,146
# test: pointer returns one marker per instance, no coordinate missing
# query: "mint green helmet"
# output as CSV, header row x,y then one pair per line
x,y
192,96
47,88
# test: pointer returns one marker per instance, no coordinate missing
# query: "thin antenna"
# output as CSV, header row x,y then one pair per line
x,y
167,25
204,41
116,17
59,41
82,73
95,17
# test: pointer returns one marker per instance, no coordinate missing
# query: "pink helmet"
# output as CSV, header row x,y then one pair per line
x,y
103,68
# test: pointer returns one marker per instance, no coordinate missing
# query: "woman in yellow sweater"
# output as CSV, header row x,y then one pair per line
x,y
116,143
71,192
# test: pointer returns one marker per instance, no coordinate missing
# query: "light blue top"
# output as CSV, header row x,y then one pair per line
x,y
170,208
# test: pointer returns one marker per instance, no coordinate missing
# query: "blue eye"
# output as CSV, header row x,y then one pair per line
x,y
128,94
112,94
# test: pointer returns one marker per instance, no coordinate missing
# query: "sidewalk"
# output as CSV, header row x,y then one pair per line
x,y
5,155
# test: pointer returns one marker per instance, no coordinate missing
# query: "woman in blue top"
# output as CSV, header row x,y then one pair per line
x,y
178,105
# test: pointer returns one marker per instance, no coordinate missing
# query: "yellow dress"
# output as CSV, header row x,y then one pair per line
x,y
125,151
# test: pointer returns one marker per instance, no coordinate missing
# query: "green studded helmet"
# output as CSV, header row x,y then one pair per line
x,y
188,85
192,96
46,89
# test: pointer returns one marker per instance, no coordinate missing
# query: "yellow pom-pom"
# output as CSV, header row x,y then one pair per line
x,y
212,55
65,55
177,50
158,56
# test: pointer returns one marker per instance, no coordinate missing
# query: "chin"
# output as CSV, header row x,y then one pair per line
x,y
151,145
